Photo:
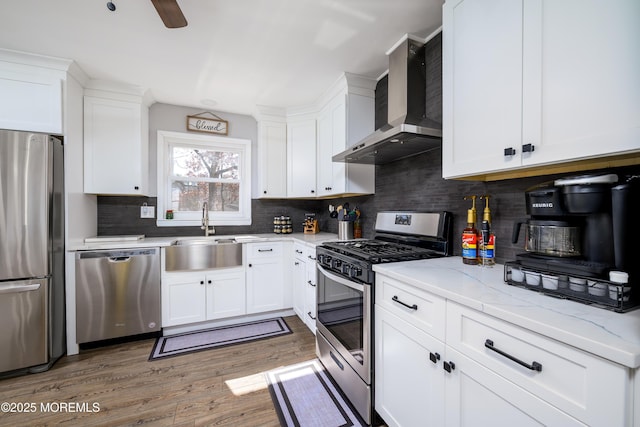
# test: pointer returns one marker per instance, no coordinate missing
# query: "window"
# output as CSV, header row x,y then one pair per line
x,y
193,169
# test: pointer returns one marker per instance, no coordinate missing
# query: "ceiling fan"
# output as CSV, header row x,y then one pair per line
x,y
170,13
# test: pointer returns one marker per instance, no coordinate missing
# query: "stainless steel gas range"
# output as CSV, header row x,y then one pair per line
x,y
345,296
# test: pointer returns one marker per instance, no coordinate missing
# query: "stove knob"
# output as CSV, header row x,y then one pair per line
x,y
346,268
320,258
355,272
337,263
327,260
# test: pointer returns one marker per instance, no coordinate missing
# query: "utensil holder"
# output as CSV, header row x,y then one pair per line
x,y
345,230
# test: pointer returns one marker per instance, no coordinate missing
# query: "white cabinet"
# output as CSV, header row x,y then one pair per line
x,y
409,381
345,119
301,157
538,76
304,284
268,285
272,159
439,361
116,139
31,98
193,297
476,396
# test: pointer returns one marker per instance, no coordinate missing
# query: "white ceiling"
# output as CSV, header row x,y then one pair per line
x,y
239,53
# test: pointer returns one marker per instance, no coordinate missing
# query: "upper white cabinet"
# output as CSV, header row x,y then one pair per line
x,y
301,156
346,118
116,143
538,82
272,155
31,88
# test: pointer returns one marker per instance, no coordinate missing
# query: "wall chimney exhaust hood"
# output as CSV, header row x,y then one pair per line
x,y
413,127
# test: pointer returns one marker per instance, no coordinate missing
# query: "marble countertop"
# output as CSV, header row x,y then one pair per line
x,y
610,335
309,239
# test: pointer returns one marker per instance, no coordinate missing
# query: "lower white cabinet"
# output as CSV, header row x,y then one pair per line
x,y
304,284
409,380
486,371
267,285
477,396
204,295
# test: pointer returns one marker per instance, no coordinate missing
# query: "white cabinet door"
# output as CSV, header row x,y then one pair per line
x,y
482,85
183,299
272,159
310,309
301,158
115,146
581,87
265,277
226,293
30,101
408,385
299,278
476,396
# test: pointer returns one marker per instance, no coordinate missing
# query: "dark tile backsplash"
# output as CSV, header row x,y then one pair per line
x,y
411,184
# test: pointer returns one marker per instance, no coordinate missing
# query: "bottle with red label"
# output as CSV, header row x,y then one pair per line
x,y
470,235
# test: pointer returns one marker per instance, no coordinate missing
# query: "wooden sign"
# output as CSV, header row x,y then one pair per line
x,y
198,123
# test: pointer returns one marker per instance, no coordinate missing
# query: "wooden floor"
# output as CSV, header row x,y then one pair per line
x,y
222,387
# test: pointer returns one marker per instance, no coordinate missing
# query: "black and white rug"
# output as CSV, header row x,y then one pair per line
x,y
304,396
175,345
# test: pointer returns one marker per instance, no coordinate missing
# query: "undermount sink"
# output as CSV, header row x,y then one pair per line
x,y
203,254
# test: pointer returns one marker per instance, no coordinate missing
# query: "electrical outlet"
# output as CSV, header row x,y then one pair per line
x,y
147,212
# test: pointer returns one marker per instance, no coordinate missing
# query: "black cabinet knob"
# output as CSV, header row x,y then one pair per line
x,y
265,191
434,357
509,151
449,366
136,188
313,191
528,148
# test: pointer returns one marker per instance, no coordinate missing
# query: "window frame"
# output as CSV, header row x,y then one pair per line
x,y
165,141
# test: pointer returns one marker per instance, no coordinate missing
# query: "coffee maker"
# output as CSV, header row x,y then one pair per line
x,y
578,241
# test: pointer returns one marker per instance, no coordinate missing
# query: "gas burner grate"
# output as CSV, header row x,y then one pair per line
x,y
377,252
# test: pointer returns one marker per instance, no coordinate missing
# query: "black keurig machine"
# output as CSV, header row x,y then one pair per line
x,y
581,226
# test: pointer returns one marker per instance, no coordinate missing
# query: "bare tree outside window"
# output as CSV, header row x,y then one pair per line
x,y
199,175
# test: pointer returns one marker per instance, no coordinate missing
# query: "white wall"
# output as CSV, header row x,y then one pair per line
x,y
174,118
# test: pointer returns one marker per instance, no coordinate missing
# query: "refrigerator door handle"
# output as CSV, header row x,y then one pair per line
x,y
12,289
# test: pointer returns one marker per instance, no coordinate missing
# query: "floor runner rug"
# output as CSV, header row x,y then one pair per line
x,y
175,345
304,396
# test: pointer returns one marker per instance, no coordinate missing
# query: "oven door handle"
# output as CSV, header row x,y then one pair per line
x,y
353,285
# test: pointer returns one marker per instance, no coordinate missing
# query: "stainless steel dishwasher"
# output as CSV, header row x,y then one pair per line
x,y
117,293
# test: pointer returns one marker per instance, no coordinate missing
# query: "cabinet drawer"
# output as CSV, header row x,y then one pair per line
x,y
591,389
420,308
264,250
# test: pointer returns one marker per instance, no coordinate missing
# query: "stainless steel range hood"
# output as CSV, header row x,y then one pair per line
x,y
410,129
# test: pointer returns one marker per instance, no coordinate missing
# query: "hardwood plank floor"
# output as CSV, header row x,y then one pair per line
x,y
222,387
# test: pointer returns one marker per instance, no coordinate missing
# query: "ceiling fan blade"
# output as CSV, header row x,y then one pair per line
x,y
170,13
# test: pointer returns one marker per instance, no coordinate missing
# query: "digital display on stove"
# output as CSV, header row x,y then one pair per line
x,y
403,219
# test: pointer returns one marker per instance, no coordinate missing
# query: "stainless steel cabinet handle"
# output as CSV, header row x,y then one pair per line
x,y
396,299
534,366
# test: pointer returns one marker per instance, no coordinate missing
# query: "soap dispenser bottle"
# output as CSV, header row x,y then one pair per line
x,y
487,241
470,235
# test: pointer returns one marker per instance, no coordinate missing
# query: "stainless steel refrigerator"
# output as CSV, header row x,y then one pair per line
x,y
32,319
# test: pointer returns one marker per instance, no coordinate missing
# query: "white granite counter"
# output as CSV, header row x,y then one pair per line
x,y
310,239
610,335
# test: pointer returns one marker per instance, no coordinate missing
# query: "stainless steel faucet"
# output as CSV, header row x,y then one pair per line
x,y
205,221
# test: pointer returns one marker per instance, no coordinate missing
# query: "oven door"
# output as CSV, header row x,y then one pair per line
x,y
344,318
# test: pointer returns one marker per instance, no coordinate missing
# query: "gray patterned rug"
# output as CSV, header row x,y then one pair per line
x,y
175,345
304,396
